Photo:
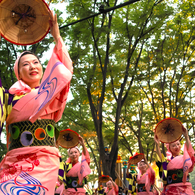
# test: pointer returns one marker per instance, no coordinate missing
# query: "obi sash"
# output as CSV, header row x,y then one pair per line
x,y
141,187
25,133
175,176
73,182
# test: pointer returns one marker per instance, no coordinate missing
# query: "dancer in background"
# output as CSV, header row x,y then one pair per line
x,y
177,166
112,188
31,108
145,178
73,173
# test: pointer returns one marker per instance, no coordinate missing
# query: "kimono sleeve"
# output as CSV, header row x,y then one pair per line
x,y
63,55
132,179
55,84
63,169
150,178
191,154
5,105
61,172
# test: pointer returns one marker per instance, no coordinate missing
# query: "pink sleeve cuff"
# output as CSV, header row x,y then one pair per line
x,y
63,55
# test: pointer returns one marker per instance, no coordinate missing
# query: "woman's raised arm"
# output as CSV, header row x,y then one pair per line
x,y
54,28
157,146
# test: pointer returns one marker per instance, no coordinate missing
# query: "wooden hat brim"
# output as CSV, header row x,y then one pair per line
x,y
28,30
169,130
68,138
104,179
136,158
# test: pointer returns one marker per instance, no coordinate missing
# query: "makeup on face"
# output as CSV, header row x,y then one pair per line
x,y
109,185
142,166
74,155
30,70
175,148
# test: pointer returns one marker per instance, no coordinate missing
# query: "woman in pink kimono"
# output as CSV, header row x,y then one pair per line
x,y
112,188
145,178
73,173
176,166
31,108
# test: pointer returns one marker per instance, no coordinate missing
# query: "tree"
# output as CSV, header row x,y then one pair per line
x,y
106,59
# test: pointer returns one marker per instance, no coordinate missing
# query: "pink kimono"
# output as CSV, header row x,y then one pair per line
x,y
74,176
34,169
182,165
145,182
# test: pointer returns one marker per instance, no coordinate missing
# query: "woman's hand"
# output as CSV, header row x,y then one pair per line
x,y
54,28
185,133
114,184
157,141
112,181
81,141
110,178
145,160
128,164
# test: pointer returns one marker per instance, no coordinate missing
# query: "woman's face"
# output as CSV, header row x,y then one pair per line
x,y
142,167
30,70
74,155
175,148
109,185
